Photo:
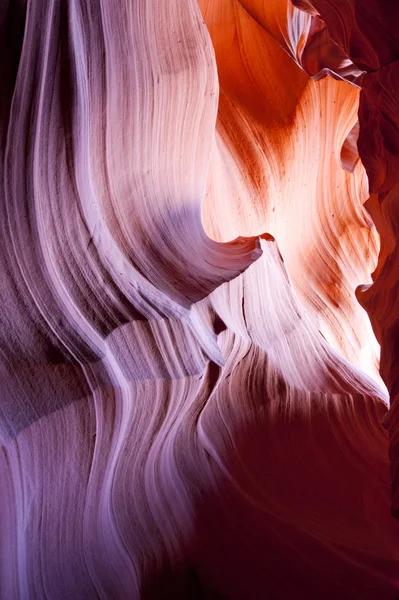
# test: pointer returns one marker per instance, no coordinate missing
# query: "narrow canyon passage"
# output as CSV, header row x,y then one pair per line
x,y
199,299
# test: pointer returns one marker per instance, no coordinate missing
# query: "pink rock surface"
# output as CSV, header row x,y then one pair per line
x,y
190,399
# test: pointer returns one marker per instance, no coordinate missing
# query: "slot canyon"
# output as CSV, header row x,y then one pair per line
x,y
199,299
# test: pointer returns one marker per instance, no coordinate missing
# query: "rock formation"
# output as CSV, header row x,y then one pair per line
x,y
198,263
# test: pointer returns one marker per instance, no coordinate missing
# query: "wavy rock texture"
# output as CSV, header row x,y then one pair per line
x,y
276,165
368,35
190,402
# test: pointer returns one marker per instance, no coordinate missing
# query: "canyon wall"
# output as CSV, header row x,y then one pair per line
x,y
198,267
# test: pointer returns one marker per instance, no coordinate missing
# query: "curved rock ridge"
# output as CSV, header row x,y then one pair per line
x,y
281,139
101,200
190,403
367,32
